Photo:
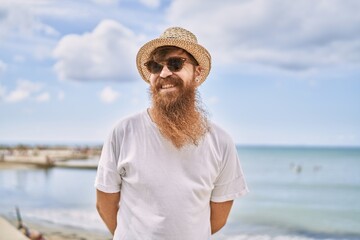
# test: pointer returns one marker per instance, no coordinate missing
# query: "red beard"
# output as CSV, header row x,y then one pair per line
x,y
169,100
178,113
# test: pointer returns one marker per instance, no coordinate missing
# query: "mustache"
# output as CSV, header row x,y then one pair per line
x,y
174,80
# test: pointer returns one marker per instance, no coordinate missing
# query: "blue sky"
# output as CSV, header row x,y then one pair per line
x,y
283,72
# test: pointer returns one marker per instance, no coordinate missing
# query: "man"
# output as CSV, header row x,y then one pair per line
x,y
167,172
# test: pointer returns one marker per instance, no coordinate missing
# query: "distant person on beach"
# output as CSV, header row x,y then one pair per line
x,y
168,172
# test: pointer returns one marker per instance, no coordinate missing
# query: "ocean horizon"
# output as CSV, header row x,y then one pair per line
x,y
100,142
296,192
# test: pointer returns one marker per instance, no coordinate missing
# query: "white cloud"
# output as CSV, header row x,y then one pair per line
x,y
106,53
18,17
43,97
23,31
17,95
105,2
37,10
28,85
292,35
108,95
151,3
24,88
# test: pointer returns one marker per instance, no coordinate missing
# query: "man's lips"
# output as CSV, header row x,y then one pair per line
x,y
167,86
169,83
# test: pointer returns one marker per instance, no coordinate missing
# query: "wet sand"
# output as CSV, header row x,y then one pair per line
x,y
56,232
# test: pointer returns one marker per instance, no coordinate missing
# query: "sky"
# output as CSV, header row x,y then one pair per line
x,y
283,72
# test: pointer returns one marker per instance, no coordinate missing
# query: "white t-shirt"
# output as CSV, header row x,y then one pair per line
x,y
165,192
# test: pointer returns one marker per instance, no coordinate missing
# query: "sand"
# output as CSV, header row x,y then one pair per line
x,y
9,165
56,232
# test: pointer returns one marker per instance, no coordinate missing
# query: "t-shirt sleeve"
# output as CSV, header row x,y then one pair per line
x,y
230,183
108,178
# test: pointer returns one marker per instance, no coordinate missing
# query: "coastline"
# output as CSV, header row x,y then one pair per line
x,y
59,232
50,156
52,231
12,165
74,163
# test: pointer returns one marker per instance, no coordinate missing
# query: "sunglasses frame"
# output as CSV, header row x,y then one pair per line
x,y
167,63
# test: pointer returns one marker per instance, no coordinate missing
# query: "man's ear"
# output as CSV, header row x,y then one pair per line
x,y
198,70
197,73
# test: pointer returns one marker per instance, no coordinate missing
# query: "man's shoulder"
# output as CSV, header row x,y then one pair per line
x,y
130,120
219,134
217,129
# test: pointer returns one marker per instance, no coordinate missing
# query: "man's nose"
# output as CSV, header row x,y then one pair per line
x,y
165,72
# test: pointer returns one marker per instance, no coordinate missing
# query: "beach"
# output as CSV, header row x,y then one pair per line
x,y
295,194
58,232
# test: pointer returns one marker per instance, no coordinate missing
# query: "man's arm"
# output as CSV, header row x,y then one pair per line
x,y
107,205
219,214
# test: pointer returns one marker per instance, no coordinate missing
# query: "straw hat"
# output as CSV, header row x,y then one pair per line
x,y
179,37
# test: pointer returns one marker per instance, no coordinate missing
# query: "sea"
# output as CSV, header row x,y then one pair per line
x,y
296,193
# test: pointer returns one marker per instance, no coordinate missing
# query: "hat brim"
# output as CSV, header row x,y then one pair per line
x,y
201,55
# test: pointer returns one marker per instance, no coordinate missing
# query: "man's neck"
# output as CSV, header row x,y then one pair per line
x,y
150,113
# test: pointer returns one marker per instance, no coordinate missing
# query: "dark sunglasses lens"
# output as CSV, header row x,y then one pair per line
x,y
153,67
175,64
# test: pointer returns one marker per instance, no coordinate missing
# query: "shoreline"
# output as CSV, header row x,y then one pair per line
x,y
10,165
60,232
52,231
66,164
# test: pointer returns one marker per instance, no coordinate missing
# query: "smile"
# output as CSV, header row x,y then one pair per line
x,y
166,86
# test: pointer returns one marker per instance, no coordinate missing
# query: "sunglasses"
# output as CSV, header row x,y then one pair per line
x,y
174,64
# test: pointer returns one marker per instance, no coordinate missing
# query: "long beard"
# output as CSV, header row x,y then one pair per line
x,y
179,114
